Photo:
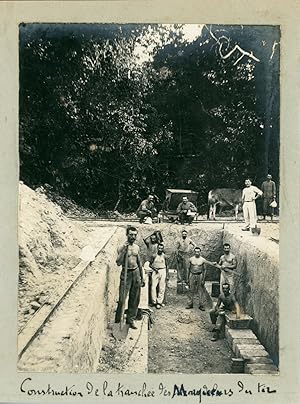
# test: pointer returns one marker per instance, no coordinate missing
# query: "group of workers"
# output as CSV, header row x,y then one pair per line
x,y
191,272
191,266
187,211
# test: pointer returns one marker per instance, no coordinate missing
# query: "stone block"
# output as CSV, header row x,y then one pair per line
x,y
247,354
260,359
243,341
249,348
264,372
250,367
237,365
243,322
231,334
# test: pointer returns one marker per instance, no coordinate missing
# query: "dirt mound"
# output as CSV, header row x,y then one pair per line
x,y
49,247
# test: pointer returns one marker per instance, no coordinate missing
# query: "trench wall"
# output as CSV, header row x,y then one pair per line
x,y
86,346
257,288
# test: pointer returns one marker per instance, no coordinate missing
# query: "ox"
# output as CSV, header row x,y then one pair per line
x,y
224,197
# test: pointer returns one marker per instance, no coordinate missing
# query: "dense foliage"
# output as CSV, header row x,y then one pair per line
x,y
105,127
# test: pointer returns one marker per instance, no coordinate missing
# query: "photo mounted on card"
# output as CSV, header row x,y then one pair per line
x,y
150,202
128,131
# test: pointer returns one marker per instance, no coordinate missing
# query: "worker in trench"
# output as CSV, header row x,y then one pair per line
x,y
182,252
151,242
160,275
226,304
196,275
128,256
227,264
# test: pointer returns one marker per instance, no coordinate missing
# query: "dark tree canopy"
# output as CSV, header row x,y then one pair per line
x,y
109,113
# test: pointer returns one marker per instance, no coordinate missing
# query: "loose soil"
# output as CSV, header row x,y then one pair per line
x,y
179,341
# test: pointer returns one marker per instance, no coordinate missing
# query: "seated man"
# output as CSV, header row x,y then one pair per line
x,y
186,211
226,303
146,209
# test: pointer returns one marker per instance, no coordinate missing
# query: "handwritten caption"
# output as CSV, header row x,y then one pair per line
x,y
118,389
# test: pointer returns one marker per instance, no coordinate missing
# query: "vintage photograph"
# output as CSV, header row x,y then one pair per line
x,y
149,203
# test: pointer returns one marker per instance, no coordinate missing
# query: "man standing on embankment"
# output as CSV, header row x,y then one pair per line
x,y
249,195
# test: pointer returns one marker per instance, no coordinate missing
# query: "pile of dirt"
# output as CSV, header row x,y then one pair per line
x,y
68,206
49,248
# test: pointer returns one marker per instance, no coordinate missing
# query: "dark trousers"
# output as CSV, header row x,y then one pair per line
x,y
133,288
267,209
142,215
182,267
184,218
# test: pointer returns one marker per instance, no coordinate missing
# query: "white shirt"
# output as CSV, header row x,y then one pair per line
x,y
249,193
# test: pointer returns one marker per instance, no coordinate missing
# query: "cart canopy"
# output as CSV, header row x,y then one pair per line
x,y
174,197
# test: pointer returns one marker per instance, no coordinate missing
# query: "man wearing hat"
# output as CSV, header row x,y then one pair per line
x,y
269,195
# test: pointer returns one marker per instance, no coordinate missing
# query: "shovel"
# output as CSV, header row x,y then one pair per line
x,y
120,330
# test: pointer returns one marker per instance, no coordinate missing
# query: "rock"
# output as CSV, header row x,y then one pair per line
x,y
35,305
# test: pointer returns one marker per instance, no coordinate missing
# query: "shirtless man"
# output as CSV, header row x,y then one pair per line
x,y
151,243
134,279
226,304
196,276
182,253
227,264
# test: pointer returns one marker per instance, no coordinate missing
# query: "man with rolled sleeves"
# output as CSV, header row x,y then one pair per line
x,y
186,211
249,195
134,279
268,188
146,209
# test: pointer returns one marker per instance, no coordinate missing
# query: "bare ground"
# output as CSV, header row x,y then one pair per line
x,y
179,341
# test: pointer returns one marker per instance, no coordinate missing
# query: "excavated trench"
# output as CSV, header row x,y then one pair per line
x,y
179,341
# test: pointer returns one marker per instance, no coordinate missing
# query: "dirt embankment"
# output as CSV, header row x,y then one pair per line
x,y
257,281
49,248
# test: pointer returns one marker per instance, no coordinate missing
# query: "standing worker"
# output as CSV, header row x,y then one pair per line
x,y
159,276
183,254
146,209
227,264
128,257
186,211
268,188
249,195
151,242
196,277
